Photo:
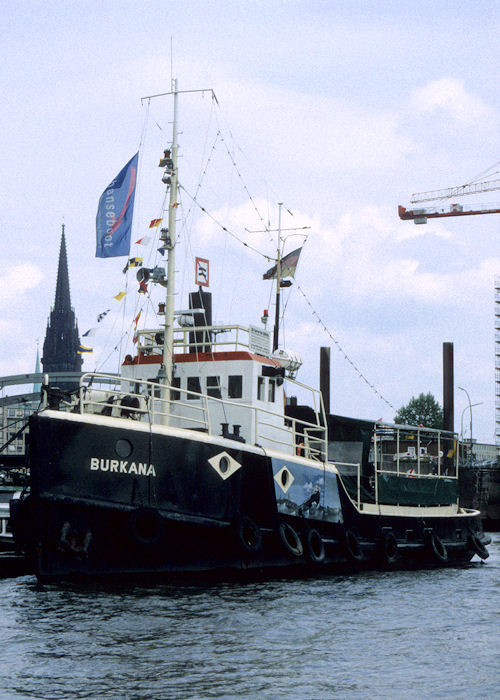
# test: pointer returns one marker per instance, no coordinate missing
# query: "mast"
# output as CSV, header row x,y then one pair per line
x,y
168,342
166,371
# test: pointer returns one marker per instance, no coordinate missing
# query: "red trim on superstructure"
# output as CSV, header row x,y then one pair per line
x,y
143,359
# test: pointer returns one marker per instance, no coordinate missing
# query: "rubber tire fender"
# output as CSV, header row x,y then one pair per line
x,y
389,546
352,546
315,546
291,539
437,547
146,525
249,534
476,546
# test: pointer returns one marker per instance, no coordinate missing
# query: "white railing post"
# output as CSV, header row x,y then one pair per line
x,y
359,485
397,451
439,454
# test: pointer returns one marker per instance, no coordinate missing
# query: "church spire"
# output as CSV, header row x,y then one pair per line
x,y
62,341
37,387
62,301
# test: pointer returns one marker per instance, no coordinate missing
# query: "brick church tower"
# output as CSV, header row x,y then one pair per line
x,y
60,348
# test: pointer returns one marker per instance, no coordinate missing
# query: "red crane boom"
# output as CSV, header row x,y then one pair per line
x,y
420,216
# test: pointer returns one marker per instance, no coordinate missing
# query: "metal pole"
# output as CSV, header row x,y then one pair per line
x,y
324,377
470,410
448,399
168,343
278,284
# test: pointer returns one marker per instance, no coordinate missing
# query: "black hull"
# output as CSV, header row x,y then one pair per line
x,y
91,515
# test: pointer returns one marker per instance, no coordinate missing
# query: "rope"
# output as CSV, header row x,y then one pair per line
x,y
342,351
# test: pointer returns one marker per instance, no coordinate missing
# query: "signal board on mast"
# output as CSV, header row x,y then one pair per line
x,y
201,276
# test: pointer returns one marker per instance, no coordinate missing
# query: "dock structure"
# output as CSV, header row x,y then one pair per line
x,y
497,362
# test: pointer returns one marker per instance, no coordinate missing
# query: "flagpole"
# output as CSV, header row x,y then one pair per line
x,y
278,284
270,273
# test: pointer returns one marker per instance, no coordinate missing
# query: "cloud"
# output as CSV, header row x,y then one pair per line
x,y
18,280
449,96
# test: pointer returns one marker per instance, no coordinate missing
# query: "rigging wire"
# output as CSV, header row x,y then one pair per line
x,y
483,173
231,157
342,351
201,178
224,228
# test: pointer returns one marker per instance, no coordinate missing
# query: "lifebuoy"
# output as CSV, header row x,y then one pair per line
x,y
352,546
389,547
315,546
249,534
437,547
476,546
146,525
290,539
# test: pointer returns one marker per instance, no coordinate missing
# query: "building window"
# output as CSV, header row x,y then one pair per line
x,y
271,392
213,387
193,384
235,386
261,389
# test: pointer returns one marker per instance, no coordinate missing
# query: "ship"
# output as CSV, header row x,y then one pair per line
x,y
205,455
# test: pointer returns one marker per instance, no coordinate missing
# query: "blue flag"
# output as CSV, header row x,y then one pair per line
x,y
115,211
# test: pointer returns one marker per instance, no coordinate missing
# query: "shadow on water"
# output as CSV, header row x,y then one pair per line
x,y
376,634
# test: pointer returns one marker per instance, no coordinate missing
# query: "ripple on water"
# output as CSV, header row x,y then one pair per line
x,y
399,634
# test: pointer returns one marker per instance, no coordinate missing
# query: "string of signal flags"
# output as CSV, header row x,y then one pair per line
x,y
143,289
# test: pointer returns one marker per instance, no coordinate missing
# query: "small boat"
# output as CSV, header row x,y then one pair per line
x,y
200,459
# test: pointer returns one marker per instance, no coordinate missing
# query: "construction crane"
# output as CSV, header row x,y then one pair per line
x,y
420,216
473,188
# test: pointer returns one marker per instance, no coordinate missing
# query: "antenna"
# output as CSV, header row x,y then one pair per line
x,y
171,60
279,282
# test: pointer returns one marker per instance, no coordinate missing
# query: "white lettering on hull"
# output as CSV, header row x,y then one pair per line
x,y
122,466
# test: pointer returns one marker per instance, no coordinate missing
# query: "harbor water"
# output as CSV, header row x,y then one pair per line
x,y
419,634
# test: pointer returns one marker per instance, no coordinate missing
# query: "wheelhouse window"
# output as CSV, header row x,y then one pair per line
x,y
271,391
213,387
261,389
235,386
193,384
176,383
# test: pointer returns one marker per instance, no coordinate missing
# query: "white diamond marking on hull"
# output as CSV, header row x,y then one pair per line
x,y
224,465
284,478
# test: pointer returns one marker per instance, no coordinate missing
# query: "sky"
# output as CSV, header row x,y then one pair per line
x,y
338,109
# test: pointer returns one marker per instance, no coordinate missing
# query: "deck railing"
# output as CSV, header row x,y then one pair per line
x,y
199,338
406,466
417,451
146,400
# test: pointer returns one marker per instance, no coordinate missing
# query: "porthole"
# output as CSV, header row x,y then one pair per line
x,y
123,448
284,478
223,465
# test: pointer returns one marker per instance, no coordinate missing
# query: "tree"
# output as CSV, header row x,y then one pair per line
x,y
421,410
